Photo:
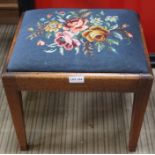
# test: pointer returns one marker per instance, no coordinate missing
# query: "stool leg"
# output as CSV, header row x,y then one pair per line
x,y
139,106
15,104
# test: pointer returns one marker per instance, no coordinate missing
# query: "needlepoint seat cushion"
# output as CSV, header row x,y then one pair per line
x,y
79,40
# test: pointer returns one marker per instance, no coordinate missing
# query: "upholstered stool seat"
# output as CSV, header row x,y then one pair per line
x,y
74,40
78,50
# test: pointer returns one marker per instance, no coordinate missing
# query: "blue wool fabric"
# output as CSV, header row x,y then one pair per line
x,y
79,40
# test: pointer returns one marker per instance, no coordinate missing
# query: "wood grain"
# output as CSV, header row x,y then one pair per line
x,y
9,13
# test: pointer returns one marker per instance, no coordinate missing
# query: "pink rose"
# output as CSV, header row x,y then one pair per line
x,y
76,25
65,39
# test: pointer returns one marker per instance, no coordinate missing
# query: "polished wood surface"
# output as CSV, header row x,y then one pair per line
x,y
141,98
9,13
15,104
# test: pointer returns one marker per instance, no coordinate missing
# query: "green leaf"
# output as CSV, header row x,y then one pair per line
x,y
114,27
61,50
87,48
112,49
111,41
68,16
108,24
102,12
84,15
38,23
30,29
100,46
118,35
52,45
61,20
50,51
83,10
58,16
77,49
73,13
48,35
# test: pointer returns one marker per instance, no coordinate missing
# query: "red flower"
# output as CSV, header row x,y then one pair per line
x,y
76,25
65,39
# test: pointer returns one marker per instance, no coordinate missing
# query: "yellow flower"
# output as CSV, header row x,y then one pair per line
x,y
96,33
53,26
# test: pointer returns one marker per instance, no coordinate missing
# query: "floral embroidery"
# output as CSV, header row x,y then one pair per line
x,y
53,26
76,25
111,19
65,39
96,33
79,31
96,21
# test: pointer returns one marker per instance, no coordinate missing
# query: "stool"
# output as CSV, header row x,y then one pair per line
x,y
78,50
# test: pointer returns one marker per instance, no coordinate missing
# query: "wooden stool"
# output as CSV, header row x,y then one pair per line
x,y
78,50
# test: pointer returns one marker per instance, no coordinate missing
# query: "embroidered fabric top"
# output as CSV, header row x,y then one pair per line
x,y
79,40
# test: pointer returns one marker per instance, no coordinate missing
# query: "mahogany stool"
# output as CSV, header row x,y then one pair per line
x,y
81,50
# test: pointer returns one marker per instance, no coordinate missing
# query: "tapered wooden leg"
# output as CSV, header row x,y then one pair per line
x,y
141,97
15,103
